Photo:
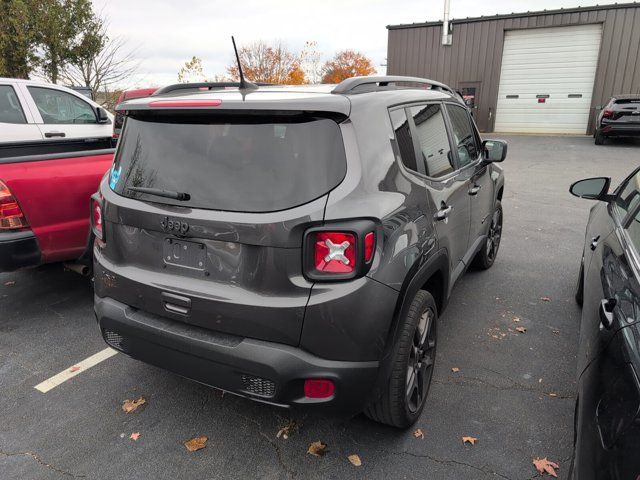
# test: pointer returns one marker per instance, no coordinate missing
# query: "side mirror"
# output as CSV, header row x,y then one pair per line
x,y
101,113
494,150
596,188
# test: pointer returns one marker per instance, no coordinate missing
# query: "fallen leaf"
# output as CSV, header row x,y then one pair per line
x,y
471,440
10,283
134,436
317,448
418,434
521,329
516,319
556,332
545,466
545,299
289,428
75,368
355,460
455,369
129,406
196,443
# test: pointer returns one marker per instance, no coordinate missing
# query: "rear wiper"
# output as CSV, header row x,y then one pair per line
x,y
161,193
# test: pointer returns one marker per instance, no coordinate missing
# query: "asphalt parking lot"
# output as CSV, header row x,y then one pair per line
x,y
514,391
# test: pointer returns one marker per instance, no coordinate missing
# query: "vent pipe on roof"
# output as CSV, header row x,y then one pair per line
x,y
446,30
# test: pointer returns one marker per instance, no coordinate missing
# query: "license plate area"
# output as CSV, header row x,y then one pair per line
x,y
184,254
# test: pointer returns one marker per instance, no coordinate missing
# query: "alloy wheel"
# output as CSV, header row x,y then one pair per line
x,y
421,360
495,233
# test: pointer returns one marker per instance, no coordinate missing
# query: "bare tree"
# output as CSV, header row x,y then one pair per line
x,y
109,64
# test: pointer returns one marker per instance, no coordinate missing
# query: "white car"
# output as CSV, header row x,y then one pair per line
x,y
42,114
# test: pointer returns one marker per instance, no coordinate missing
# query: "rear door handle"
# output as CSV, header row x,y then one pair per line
x,y
54,134
443,213
475,189
606,312
594,242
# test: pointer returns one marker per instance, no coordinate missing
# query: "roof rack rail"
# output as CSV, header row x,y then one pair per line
x,y
383,82
202,86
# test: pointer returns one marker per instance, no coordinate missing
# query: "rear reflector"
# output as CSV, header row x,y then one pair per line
x,y
184,103
369,246
96,218
607,113
335,252
11,216
318,388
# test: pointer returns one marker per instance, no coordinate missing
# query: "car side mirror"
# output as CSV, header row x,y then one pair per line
x,y
101,113
494,150
596,188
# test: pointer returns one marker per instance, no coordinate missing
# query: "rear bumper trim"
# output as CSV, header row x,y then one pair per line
x,y
18,250
265,371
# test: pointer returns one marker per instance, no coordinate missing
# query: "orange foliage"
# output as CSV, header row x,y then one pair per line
x,y
269,64
346,64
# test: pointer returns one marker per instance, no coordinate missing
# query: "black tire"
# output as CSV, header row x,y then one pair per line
x,y
600,139
579,296
412,364
489,251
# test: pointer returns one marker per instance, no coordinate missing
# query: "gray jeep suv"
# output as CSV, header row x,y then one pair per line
x,y
295,245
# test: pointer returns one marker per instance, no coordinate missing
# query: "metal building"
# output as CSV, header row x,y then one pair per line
x,y
538,72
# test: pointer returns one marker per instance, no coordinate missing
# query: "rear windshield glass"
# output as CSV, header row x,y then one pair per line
x,y
623,101
233,163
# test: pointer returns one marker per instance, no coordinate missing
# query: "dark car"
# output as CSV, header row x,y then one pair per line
x,y
619,118
295,245
607,420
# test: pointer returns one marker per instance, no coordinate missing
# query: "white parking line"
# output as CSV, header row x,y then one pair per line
x,y
74,370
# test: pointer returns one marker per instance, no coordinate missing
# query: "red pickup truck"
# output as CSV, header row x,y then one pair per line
x,y
45,187
44,206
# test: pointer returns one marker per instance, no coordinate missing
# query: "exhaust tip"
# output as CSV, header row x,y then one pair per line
x,y
79,268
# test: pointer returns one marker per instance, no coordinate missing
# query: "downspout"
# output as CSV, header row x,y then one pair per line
x,y
446,36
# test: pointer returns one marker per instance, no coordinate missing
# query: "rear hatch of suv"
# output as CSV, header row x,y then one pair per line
x,y
626,110
205,210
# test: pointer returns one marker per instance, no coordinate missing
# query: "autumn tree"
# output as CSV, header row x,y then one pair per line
x,y
191,71
310,62
346,64
266,63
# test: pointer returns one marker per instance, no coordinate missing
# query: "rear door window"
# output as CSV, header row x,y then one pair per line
x,y
10,109
248,163
433,140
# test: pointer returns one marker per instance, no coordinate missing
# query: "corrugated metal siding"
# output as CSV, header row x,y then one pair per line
x,y
476,53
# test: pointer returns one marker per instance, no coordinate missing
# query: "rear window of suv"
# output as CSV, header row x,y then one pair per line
x,y
245,163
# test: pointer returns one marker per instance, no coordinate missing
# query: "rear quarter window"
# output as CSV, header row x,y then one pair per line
x,y
233,163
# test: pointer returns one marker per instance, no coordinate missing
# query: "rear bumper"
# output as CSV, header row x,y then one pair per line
x,y
620,130
18,250
264,371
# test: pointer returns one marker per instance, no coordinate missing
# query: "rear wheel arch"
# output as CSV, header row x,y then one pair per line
x,y
432,276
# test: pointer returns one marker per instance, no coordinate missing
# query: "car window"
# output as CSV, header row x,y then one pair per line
x,y
56,107
433,140
629,196
403,138
10,109
230,162
463,135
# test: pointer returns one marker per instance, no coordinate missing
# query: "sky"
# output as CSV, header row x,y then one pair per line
x,y
165,34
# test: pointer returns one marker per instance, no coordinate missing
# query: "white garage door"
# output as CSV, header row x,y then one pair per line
x,y
546,80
